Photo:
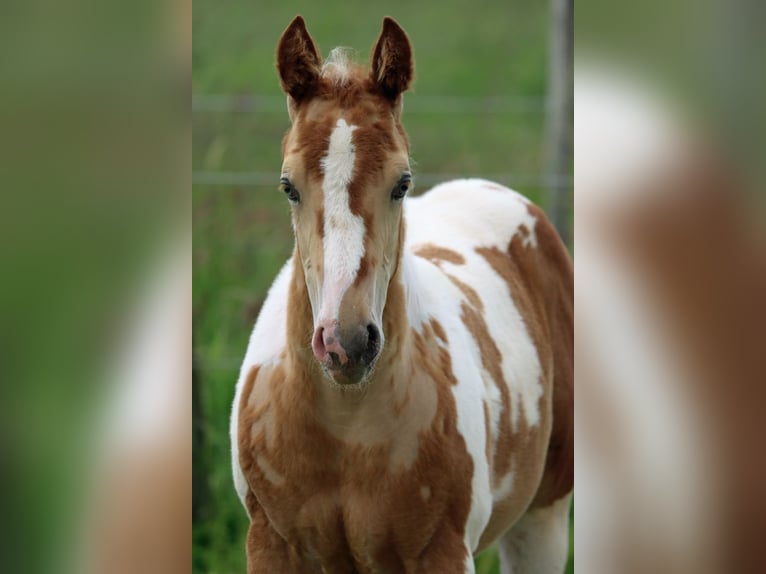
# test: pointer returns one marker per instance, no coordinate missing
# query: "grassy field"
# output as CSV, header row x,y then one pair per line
x,y
477,109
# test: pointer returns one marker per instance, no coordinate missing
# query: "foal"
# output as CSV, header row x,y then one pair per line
x,y
406,398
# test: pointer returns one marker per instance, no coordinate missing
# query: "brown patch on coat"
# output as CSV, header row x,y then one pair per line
x,y
488,437
374,145
491,360
364,269
527,468
557,275
311,137
438,330
522,279
247,388
436,254
470,293
320,222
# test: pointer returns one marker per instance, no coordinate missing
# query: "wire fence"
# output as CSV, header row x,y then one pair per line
x,y
433,104
422,180
419,104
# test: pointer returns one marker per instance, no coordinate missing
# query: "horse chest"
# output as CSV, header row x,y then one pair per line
x,y
343,513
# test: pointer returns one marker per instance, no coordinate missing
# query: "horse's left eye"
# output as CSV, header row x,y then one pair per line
x,y
289,190
401,189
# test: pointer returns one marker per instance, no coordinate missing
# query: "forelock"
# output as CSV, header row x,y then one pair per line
x,y
344,80
339,68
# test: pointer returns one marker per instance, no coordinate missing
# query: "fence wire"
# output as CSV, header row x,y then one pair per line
x,y
422,180
414,104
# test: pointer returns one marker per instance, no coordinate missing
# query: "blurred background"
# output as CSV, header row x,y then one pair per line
x,y
95,456
671,271
491,99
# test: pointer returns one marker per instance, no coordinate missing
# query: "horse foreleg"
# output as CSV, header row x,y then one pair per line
x,y
538,542
267,551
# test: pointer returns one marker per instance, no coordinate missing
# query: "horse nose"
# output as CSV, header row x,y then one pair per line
x,y
341,347
361,343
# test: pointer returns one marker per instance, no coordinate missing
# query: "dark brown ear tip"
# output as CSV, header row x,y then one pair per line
x,y
391,25
297,26
297,21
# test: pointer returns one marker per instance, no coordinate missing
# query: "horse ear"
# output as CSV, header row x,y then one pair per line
x,y
298,61
392,67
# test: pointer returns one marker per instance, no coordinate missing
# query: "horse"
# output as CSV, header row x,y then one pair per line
x,y
406,398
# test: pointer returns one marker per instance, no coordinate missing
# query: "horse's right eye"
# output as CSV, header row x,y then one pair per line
x,y
289,190
401,188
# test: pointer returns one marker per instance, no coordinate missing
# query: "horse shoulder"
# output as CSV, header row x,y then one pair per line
x,y
267,342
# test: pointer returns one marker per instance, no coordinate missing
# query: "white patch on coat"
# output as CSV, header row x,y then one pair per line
x,y
269,473
504,489
496,215
343,230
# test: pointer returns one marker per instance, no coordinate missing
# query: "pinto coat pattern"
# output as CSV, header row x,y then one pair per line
x,y
407,394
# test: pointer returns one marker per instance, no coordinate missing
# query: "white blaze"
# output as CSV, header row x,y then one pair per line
x,y
343,231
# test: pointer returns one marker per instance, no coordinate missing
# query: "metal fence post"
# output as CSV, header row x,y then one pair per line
x,y
559,116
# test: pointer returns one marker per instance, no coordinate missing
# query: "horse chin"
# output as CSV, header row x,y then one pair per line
x,y
348,377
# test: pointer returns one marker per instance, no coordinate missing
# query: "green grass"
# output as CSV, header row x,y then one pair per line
x,y
242,232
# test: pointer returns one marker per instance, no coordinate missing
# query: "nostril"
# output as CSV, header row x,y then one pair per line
x,y
373,343
327,346
372,334
318,345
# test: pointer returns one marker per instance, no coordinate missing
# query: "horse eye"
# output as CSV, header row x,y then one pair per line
x,y
400,190
289,190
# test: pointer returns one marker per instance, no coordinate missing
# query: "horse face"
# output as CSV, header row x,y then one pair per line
x,y
346,172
